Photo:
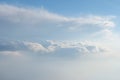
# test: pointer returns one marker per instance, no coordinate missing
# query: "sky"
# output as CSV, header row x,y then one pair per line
x,y
59,40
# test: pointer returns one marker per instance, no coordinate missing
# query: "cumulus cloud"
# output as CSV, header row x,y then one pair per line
x,y
56,47
82,47
42,22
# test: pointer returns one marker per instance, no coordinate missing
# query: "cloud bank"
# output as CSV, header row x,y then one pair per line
x,y
64,48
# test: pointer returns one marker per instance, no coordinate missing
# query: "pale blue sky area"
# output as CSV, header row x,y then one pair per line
x,y
73,7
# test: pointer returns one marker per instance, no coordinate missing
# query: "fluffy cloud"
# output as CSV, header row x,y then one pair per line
x,y
57,47
41,22
82,47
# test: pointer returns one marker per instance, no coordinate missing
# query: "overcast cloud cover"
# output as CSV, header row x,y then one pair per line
x,y
36,44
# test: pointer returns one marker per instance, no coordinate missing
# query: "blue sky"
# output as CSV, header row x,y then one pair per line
x,y
59,40
73,7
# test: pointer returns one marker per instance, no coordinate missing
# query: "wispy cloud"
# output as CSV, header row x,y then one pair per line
x,y
22,15
18,19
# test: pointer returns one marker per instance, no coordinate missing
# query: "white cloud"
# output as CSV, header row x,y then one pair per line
x,y
35,46
20,19
82,47
96,21
27,16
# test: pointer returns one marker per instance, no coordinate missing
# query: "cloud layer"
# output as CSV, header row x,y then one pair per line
x,y
36,44
60,48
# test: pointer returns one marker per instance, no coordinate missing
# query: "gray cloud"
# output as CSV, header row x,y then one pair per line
x,y
58,48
